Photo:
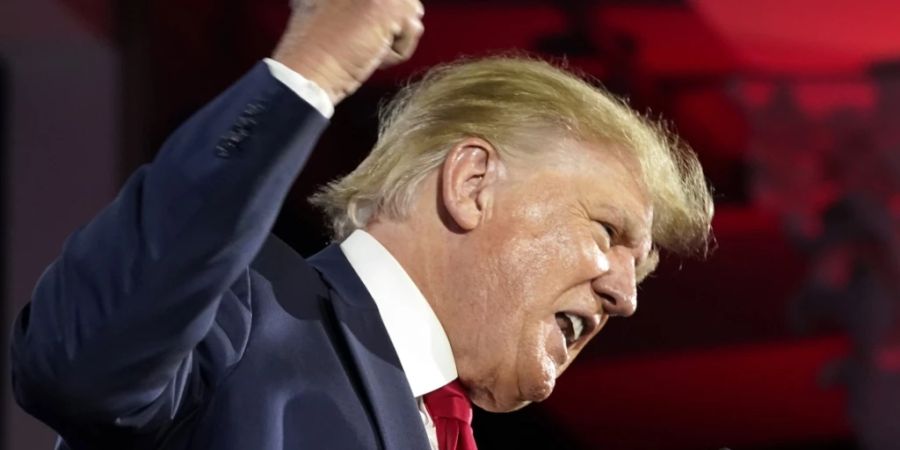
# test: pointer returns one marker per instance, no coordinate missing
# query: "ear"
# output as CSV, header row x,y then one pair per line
x,y
468,181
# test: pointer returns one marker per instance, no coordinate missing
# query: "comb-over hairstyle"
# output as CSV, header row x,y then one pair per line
x,y
505,100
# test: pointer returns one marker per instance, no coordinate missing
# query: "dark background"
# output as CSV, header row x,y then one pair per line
x,y
786,338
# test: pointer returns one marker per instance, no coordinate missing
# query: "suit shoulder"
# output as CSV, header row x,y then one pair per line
x,y
286,270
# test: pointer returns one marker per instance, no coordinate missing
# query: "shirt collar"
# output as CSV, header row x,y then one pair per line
x,y
414,329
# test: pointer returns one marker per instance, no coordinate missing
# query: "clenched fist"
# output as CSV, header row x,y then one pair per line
x,y
339,43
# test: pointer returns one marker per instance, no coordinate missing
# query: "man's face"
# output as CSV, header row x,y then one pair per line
x,y
539,277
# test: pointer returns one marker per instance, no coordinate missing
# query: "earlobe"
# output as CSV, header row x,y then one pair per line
x,y
469,173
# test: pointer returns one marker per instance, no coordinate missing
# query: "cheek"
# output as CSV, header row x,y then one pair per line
x,y
538,253
598,260
516,292
546,254
536,367
534,258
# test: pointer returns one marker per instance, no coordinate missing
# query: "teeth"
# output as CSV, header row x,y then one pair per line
x,y
577,325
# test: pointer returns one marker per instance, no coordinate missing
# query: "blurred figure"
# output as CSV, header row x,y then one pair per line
x,y
834,184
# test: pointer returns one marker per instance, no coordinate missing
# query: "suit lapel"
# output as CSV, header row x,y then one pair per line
x,y
394,409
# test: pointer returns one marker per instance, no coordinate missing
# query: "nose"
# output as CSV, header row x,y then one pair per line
x,y
617,287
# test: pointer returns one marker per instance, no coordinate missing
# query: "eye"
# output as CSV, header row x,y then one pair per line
x,y
607,231
610,230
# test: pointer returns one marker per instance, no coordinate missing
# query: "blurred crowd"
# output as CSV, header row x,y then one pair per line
x,y
834,184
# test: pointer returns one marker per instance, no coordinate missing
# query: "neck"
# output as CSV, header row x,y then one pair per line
x,y
418,251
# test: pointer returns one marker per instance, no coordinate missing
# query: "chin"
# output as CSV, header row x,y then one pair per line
x,y
498,403
490,405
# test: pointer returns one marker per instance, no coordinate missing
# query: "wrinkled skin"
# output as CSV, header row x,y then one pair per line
x,y
517,243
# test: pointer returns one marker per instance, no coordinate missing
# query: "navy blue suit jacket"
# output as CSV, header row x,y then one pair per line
x,y
174,320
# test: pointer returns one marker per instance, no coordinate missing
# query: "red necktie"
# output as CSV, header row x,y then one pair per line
x,y
452,415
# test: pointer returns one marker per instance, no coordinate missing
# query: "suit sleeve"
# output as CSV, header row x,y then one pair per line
x,y
144,307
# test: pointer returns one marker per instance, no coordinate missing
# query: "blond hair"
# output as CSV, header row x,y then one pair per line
x,y
496,99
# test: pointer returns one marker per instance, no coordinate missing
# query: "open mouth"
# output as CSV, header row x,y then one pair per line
x,y
572,326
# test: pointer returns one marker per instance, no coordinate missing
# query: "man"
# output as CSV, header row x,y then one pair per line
x,y
507,211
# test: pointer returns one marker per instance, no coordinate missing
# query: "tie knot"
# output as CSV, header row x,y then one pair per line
x,y
449,402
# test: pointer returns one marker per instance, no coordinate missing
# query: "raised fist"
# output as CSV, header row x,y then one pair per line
x,y
339,43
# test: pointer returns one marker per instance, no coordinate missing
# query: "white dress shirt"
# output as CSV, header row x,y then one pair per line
x,y
414,329
307,90
418,337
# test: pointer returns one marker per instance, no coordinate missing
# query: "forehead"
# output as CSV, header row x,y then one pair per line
x,y
602,175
